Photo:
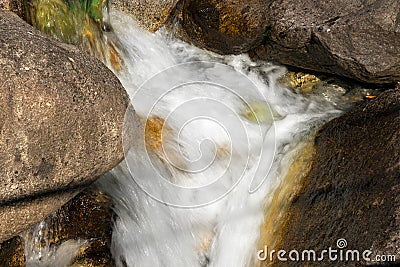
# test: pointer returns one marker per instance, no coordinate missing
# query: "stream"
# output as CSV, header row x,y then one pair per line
x,y
213,137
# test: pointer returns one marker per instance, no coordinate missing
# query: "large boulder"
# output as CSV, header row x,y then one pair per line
x,y
150,15
356,39
61,117
352,191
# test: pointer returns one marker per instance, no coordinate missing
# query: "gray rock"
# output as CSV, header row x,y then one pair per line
x,y
150,14
61,117
356,39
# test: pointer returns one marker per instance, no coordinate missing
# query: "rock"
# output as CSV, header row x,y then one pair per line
x,y
87,217
12,253
5,4
60,122
353,188
19,215
150,14
355,39
227,26
344,93
19,7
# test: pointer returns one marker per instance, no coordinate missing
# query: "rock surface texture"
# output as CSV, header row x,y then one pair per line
x,y
150,15
228,26
12,253
351,38
19,215
5,4
356,39
17,6
61,117
86,219
352,191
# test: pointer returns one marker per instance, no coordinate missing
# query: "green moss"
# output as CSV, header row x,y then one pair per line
x,y
58,19
94,8
67,19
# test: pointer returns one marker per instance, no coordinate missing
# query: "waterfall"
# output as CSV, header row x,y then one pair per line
x,y
210,139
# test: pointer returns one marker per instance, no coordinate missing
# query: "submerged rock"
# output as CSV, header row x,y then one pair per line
x,y
60,122
150,14
352,190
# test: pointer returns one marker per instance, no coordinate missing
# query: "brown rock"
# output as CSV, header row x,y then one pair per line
x,y
5,4
18,216
61,117
12,253
353,188
88,217
150,14
228,26
355,39
19,7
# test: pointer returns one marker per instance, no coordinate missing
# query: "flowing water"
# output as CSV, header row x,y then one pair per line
x,y
213,137
195,184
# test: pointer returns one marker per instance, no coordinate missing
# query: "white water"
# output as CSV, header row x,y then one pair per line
x,y
211,218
